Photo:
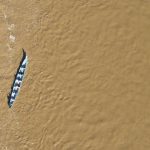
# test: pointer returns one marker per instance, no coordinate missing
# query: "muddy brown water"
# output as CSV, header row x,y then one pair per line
x,y
87,85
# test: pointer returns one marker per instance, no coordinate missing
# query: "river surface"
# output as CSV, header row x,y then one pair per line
x,y
87,83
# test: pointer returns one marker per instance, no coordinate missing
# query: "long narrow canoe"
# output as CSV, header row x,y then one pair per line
x,y
18,80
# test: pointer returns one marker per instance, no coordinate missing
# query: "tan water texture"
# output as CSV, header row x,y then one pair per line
x,y
87,83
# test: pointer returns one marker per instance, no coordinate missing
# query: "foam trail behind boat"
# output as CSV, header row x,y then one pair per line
x,y
18,80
